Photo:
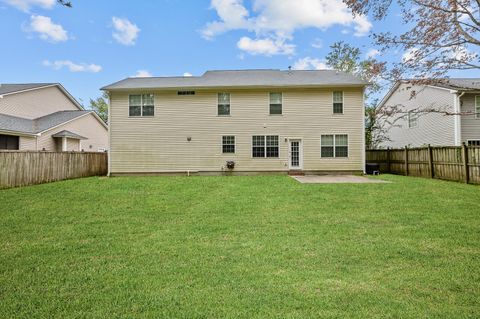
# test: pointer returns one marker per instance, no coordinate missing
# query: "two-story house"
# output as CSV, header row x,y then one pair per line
x,y
45,117
261,120
442,112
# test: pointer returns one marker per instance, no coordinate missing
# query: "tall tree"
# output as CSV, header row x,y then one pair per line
x,y
65,3
100,106
440,35
347,58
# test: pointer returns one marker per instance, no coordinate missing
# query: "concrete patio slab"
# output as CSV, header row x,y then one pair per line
x,y
337,179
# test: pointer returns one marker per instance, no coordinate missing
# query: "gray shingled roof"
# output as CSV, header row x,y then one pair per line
x,y
45,122
69,134
22,125
10,88
459,83
243,78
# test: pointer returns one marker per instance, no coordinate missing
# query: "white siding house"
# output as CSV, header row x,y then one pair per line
x,y
45,117
262,120
442,113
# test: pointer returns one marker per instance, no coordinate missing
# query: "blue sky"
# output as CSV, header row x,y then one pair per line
x,y
99,42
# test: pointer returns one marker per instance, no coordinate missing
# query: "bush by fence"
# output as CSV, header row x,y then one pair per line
x,y
21,168
451,163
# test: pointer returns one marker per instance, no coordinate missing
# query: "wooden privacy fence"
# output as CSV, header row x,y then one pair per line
x,y
21,168
452,163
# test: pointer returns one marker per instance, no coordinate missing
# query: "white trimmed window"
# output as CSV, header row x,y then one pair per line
x,y
265,146
412,119
228,144
334,145
223,104
275,103
338,102
473,142
477,107
141,105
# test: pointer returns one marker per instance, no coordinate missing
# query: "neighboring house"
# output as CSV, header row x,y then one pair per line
x,y
445,112
45,117
262,120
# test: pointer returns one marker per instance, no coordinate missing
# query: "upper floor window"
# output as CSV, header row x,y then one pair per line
x,y
141,105
228,144
477,106
334,145
412,119
275,103
338,102
223,103
265,146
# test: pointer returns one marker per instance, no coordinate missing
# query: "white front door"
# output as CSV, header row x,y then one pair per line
x,y
296,154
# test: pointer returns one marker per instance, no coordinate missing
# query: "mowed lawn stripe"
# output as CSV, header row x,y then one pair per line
x,y
229,247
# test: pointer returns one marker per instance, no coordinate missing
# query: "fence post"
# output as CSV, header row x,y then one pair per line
x,y
388,160
406,160
430,161
465,163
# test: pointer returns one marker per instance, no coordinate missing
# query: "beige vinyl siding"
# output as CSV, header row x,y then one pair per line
x,y
159,143
28,143
432,128
73,145
36,103
470,125
87,126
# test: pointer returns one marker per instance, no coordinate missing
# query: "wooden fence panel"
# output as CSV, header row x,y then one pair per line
x,y
449,163
21,168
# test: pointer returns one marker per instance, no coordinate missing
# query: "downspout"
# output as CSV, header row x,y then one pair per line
x,y
457,117
109,156
364,150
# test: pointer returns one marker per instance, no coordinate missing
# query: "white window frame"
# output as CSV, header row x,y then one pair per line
x,y
335,146
229,104
141,105
409,119
477,107
269,100
265,146
333,101
234,144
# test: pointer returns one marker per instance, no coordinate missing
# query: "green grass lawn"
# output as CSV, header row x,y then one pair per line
x,y
248,247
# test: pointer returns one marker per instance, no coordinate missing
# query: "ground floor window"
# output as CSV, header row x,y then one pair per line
x,y
228,144
9,142
473,143
334,145
265,146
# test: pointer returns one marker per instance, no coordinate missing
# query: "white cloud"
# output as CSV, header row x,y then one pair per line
x,y
142,74
372,53
265,46
25,5
232,14
187,74
279,19
309,63
125,32
73,67
461,53
410,55
317,43
46,29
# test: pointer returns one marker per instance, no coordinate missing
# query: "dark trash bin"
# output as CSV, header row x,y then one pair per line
x,y
372,167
